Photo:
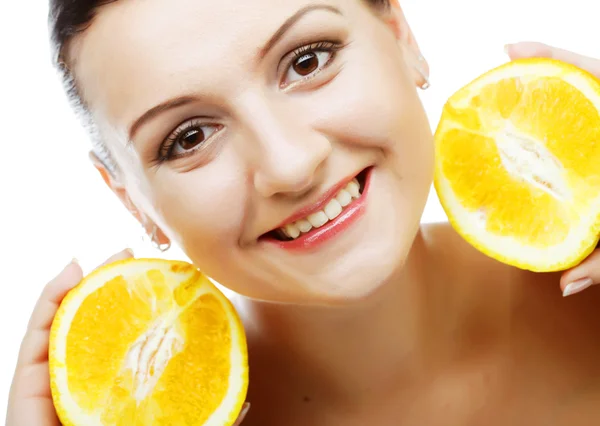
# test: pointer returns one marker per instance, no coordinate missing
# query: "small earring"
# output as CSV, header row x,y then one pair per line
x,y
426,84
419,67
154,240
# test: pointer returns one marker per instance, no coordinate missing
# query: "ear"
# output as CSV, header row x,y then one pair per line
x,y
407,41
119,189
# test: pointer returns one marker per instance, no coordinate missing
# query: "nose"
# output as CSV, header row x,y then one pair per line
x,y
288,153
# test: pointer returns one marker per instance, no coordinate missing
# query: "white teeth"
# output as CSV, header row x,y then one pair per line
x,y
353,188
333,209
303,225
292,231
318,219
344,198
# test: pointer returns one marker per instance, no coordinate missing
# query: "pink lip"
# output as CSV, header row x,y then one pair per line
x,y
319,205
318,236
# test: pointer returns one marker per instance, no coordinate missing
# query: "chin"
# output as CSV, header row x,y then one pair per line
x,y
352,265
372,267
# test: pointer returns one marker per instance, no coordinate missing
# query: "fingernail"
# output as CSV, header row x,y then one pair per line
x,y
245,408
73,261
506,48
577,286
129,251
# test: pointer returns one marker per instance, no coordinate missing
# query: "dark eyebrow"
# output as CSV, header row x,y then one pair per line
x,y
184,100
157,110
289,23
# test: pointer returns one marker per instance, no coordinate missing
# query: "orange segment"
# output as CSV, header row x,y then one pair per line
x,y
147,342
489,191
517,154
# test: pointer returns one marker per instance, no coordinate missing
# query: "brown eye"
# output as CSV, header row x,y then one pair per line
x,y
189,137
192,138
306,64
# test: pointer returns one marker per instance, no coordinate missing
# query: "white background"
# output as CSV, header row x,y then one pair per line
x,y
54,207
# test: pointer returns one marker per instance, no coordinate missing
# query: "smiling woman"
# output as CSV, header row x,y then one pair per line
x,y
283,146
267,127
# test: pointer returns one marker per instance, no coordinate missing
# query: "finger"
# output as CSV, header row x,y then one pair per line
x,y
34,347
541,50
35,342
242,415
125,254
52,295
32,412
32,381
30,400
582,276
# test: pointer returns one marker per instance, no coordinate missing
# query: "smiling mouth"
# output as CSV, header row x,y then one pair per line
x,y
342,200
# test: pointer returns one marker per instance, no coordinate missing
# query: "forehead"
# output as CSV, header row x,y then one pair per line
x,y
139,52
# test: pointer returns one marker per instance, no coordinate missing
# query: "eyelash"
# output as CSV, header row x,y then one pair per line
x,y
322,46
166,150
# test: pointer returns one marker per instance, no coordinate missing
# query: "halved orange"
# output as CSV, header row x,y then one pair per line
x,y
147,342
517,165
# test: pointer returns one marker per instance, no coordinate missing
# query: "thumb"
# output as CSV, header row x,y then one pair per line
x,y
528,49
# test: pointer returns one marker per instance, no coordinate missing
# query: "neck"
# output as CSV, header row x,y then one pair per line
x,y
346,353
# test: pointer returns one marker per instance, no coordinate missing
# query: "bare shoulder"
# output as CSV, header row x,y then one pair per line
x,y
553,338
539,292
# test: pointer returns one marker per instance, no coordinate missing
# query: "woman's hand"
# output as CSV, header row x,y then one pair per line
x,y
540,50
30,401
587,273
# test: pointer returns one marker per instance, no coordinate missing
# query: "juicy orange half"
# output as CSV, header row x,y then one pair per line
x,y
517,165
147,342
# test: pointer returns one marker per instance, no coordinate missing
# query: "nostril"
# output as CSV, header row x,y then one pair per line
x,y
272,183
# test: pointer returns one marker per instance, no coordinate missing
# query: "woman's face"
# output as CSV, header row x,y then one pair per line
x,y
233,119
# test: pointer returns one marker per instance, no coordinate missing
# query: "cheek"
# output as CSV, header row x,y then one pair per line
x,y
373,102
204,208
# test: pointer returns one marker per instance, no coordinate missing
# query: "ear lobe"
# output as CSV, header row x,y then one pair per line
x,y
160,239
